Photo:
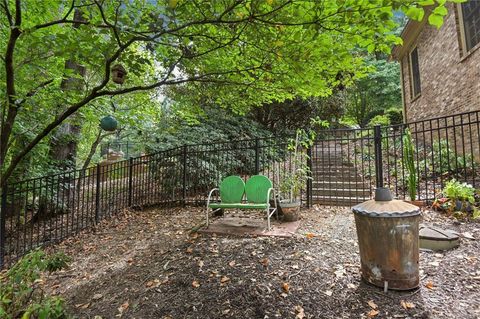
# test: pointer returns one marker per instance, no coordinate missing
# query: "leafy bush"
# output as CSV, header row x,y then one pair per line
x,y
379,120
395,115
463,192
371,115
442,160
293,180
21,295
458,198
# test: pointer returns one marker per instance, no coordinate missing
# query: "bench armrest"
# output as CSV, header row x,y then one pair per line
x,y
271,191
210,195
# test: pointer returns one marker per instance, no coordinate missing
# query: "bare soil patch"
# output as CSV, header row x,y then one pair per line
x,y
148,265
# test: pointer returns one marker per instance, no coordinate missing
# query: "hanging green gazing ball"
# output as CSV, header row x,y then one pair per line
x,y
108,123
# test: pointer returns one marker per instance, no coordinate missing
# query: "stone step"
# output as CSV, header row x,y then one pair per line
x,y
337,179
329,174
340,183
335,165
338,200
343,192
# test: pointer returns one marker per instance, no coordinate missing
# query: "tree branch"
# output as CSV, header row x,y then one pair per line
x,y
7,12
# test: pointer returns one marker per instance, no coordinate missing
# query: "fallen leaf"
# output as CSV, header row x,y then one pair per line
x,y
310,235
224,279
195,284
372,304
300,312
407,305
372,313
189,250
232,263
123,307
97,296
429,285
83,305
264,262
285,287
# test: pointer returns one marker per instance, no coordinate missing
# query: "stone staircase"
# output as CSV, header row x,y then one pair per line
x,y
336,182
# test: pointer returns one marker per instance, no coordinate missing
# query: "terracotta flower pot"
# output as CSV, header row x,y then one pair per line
x,y
291,210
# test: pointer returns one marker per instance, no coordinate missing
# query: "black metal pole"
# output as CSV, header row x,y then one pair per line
x,y
97,196
130,181
257,156
309,180
3,215
377,139
184,177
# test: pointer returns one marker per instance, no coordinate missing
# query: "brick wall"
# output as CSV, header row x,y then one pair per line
x,y
450,83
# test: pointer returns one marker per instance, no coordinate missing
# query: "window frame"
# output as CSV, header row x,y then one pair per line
x,y
463,37
414,96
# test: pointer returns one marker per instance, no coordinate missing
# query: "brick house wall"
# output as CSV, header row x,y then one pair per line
x,y
450,81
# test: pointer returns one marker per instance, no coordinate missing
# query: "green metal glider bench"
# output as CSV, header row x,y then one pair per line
x,y
258,190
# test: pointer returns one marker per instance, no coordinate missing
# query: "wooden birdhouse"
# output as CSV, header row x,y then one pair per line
x,y
118,74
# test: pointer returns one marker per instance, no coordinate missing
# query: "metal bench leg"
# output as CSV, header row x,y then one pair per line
x,y
268,218
207,216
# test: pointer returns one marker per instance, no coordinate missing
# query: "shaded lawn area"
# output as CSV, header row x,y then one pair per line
x,y
148,265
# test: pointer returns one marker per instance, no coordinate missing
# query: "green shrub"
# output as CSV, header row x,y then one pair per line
x,y
463,192
460,199
395,115
442,160
21,295
372,114
379,120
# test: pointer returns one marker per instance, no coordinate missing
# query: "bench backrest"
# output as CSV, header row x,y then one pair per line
x,y
256,189
232,189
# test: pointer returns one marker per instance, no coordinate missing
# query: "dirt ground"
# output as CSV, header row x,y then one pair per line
x,y
149,265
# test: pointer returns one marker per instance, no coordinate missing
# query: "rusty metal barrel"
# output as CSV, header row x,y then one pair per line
x,y
387,233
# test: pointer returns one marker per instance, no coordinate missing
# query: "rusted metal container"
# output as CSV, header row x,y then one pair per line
x,y
388,240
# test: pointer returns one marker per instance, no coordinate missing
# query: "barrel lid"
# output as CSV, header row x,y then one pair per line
x,y
434,233
391,208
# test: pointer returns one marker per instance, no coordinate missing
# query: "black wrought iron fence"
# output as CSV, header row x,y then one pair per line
x,y
41,211
345,165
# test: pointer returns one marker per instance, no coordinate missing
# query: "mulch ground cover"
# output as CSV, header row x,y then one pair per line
x,y
149,264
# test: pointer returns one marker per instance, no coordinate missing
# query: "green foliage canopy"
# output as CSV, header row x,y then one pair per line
x,y
250,52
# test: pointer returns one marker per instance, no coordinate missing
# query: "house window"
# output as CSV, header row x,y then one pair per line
x,y
471,23
414,74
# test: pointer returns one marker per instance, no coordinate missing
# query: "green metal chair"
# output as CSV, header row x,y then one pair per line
x,y
258,190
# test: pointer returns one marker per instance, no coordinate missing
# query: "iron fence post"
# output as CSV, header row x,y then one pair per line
x,y
97,196
377,139
309,180
130,181
184,177
3,215
257,156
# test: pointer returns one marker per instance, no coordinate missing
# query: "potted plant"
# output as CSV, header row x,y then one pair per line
x,y
293,180
409,161
458,199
